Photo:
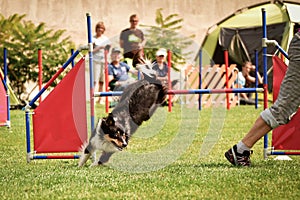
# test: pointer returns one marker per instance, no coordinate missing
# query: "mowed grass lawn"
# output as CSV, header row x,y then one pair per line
x,y
178,155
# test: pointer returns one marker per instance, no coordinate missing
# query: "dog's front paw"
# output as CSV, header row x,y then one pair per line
x,y
96,164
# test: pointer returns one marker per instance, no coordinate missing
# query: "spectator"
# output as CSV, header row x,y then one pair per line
x,y
118,77
132,41
160,66
100,43
245,80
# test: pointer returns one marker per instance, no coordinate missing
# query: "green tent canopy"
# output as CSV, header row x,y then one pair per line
x,y
241,32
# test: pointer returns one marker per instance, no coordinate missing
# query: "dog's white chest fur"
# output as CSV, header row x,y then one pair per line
x,y
102,144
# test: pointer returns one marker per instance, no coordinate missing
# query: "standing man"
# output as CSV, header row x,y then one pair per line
x,y
132,41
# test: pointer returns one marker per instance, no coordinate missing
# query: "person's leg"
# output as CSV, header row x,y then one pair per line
x,y
101,79
287,103
100,89
96,72
258,130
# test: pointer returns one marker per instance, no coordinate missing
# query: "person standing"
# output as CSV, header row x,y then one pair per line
x,y
100,43
132,41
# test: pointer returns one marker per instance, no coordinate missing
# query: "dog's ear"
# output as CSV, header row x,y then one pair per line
x,y
110,120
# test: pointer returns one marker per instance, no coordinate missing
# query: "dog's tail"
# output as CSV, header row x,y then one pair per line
x,y
146,67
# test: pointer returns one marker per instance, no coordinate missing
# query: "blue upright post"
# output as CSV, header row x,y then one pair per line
x,y
6,87
256,78
90,43
73,62
5,64
27,122
200,79
265,64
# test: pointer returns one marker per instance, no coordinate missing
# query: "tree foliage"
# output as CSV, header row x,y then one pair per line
x,y
165,34
22,39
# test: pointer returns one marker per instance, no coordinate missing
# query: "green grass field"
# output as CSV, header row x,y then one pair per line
x,y
178,155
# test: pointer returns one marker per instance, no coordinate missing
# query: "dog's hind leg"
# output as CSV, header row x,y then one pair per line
x,y
103,158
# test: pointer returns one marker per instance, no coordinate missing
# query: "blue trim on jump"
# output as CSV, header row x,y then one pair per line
x,y
195,91
285,153
55,157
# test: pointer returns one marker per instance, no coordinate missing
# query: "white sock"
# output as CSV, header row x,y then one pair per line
x,y
241,147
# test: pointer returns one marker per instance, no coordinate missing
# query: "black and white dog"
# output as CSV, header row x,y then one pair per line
x,y
137,104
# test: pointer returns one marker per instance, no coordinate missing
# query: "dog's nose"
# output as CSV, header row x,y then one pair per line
x,y
124,144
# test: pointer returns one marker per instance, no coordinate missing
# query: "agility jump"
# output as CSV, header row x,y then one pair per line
x,y
62,130
65,131
4,95
285,138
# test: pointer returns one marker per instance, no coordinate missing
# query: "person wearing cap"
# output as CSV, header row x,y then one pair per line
x,y
132,41
100,43
118,77
160,66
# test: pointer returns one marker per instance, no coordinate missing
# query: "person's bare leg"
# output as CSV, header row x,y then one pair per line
x,y
258,130
240,153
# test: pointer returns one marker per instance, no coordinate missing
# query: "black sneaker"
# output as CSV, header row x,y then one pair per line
x,y
238,159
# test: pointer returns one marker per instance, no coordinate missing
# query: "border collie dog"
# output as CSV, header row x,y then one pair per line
x,y
137,104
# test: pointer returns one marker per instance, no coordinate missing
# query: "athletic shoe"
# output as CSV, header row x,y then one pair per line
x,y
238,159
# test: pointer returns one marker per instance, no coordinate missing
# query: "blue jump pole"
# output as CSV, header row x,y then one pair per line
x,y
192,91
256,78
282,51
265,65
6,87
200,79
90,44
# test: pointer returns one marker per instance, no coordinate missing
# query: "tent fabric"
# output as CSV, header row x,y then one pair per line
x,y
238,48
285,137
59,122
279,69
250,19
293,11
241,43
